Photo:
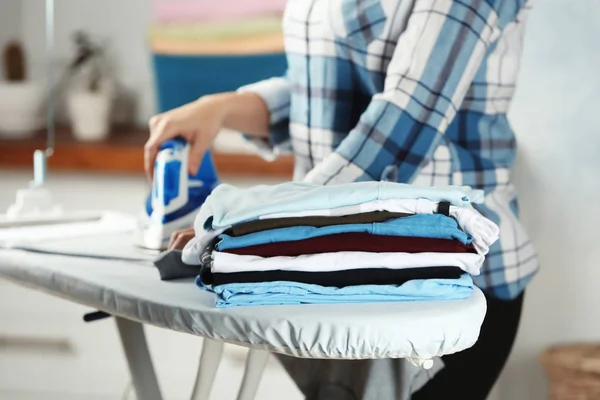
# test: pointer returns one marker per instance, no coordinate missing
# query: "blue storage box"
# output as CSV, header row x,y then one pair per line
x,y
181,79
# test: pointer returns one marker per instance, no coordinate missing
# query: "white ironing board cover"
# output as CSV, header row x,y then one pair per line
x,y
418,330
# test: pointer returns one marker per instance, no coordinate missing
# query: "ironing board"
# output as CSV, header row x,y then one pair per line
x,y
123,282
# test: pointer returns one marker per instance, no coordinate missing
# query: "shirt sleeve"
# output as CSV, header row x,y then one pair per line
x,y
276,93
431,70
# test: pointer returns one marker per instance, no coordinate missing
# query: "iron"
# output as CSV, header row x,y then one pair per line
x,y
175,196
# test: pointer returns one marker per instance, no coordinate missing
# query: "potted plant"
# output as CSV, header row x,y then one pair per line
x,y
90,93
21,101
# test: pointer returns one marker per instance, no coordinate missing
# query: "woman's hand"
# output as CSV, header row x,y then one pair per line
x,y
200,121
197,122
180,238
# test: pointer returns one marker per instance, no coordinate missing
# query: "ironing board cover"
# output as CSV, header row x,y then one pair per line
x,y
132,289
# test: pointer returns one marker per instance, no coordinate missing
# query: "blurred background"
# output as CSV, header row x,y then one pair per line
x,y
117,63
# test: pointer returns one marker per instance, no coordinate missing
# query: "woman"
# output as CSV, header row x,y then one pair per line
x,y
415,90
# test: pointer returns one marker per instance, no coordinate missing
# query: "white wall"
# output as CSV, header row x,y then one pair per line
x,y
124,23
10,21
556,114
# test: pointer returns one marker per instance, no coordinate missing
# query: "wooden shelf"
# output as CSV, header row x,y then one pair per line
x,y
123,153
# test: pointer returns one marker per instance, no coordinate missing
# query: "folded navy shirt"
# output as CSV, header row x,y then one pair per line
x,y
356,277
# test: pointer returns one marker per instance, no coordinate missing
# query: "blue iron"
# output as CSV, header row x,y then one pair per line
x,y
175,197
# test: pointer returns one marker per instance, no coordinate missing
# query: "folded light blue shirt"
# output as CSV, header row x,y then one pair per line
x,y
228,205
279,293
436,226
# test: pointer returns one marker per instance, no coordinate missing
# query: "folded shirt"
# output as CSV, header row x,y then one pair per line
x,y
257,44
345,260
214,30
211,10
484,231
420,225
354,241
372,276
170,266
279,293
229,205
259,225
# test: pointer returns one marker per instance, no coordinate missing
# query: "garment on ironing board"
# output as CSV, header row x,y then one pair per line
x,y
171,267
259,225
372,276
421,225
354,241
280,292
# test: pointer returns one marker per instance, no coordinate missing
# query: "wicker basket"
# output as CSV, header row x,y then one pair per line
x,y
573,371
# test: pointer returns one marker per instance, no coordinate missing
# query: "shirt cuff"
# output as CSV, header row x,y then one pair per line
x,y
276,94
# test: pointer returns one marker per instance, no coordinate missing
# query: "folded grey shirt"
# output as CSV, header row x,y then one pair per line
x,y
171,267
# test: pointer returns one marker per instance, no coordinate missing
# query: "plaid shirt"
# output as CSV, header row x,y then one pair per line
x,y
415,90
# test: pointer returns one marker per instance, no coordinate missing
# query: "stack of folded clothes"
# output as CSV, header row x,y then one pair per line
x,y
298,243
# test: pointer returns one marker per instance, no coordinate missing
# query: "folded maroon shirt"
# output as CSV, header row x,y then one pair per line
x,y
355,241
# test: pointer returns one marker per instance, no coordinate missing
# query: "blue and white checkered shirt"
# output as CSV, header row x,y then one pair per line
x,y
420,85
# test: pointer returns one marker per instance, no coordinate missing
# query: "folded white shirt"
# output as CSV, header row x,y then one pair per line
x,y
345,260
484,231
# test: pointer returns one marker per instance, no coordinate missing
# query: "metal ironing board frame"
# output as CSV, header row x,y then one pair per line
x,y
144,378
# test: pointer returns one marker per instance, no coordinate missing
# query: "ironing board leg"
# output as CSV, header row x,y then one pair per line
x,y
138,359
255,366
212,350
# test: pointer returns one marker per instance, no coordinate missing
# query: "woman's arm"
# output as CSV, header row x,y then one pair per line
x,y
200,121
276,93
432,68
258,110
246,112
